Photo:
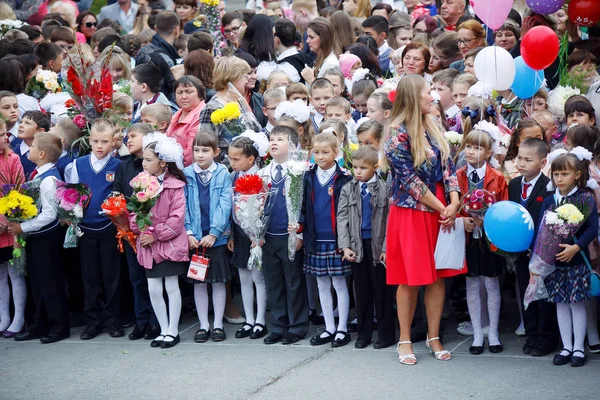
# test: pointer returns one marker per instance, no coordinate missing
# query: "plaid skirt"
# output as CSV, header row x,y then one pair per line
x,y
569,284
326,261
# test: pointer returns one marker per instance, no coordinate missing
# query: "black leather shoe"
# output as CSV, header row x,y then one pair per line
x,y
244,331
152,331
541,351
53,338
273,338
343,341
201,336
290,338
361,343
157,341
218,335
578,361
166,345
90,332
260,332
382,344
116,331
496,348
317,340
476,350
22,337
137,332
559,359
530,344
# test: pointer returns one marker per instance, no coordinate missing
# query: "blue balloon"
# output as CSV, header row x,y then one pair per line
x,y
509,226
527,80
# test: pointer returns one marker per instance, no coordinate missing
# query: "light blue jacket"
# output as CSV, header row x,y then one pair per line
x,y
220,204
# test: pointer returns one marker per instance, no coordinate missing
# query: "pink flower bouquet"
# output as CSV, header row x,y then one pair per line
x,y
146,189
70,202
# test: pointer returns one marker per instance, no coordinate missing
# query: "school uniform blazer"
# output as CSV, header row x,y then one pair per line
x,y
493,182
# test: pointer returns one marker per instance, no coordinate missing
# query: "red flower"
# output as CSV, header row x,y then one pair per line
x,y
539,199
73,79
70,103
249,184
392,95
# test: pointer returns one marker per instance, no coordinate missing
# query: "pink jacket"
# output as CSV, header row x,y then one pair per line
x,y
12,170
185,131
168,217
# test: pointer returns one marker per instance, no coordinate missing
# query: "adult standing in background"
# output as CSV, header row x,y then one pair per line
x,y
123,11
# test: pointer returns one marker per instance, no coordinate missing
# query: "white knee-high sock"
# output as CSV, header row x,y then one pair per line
x,y
343,299
492,287
261,296
591,309
218,297
579,325
474,303
312,291
4,298
326,299
155,289
247,294
201,299
174,294
565,326
19,295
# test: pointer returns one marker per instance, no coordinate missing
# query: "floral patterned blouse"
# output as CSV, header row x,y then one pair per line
x,y
409,184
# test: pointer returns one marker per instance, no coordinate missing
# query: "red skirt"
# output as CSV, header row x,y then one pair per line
x,y
411,239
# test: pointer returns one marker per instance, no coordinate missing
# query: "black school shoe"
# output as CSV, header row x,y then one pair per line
x,y
152,331
166,345
138,332
243,332
290,338
258,333
218,335
90,332
54,337
273,338
116,331
341,342
529,346
578,361
201,336
496,348
559,359
317,340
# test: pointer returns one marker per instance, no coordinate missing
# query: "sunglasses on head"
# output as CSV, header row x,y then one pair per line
x,y
90,24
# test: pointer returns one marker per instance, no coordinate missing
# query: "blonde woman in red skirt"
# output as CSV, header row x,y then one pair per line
x,y
425,197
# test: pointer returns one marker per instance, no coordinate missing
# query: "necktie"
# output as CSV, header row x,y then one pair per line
x,y
33,174
474,177
278,175
526,186
203,176
363,189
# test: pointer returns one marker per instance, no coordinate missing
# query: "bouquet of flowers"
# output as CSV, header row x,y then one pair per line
x,y
297,165
70,201
558,225
475,204
213,22
18,203
251,212
42,83
146,189
228,119
8,24
115,208
557,99
123,87
454,139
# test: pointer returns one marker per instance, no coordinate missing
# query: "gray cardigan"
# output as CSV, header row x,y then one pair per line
x,y
349,218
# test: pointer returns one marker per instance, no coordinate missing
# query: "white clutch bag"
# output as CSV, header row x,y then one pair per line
x,y
450,247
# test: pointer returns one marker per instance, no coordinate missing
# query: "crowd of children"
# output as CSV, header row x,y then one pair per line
x,y
312,84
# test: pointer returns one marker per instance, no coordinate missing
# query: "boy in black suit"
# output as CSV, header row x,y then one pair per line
x,y
529,190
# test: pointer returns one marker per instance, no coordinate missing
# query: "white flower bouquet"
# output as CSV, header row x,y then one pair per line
x,y
8,24
454,139
294,186
557,99
42,83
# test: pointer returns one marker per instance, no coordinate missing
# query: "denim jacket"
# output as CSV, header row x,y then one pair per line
x,y
410,184
220,204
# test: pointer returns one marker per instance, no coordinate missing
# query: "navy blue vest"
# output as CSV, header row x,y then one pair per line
x,y
278,223
28,166
322,198
204,198
62,163
54,224
367,216
101,184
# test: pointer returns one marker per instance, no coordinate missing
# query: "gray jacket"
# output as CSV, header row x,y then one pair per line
x,y
349,218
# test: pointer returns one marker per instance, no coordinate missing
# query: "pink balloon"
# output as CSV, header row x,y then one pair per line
x,y
492,12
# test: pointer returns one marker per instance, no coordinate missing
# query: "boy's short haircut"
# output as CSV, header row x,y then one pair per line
x,y
328,138
285,30
166,23
181,42
103,125
540,147
286,131
445,77
47,52
339,102
14,34
69,131
142,128
378,23
306,5
367,154
296,88
64,34
50,144
206,138
148,74
41,120
122,101
321,83
48,27
200,40
364,87
160,111
273,95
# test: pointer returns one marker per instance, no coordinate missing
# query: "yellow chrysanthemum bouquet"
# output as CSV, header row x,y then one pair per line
x,y
228,120
18,203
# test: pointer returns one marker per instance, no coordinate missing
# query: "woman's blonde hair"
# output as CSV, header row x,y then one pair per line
x,y
407,111
67,11
363,9
118,60
229,69
6,12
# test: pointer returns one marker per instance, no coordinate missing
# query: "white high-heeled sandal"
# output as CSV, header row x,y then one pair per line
x,y
404,358
443,355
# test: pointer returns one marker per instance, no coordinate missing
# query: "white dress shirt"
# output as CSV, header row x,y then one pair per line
x,y
253,170
532,183
480,171
47,213
323,175
559,197
271,169
71,174
287,53
209,170
373,179
14,132
24,148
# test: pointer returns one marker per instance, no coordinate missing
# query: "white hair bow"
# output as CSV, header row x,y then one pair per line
x,y
167,149
298,110
579,152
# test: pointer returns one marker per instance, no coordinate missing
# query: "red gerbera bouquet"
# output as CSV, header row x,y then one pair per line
x,y
115,208
475,204
249,184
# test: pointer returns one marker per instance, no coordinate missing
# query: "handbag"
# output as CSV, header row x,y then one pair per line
x,y
594,277
199,266
450,248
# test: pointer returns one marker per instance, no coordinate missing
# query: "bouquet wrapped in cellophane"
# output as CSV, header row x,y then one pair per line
x,y
475,204
454,140
42,83
297,165
146,189
70,201
115,208
559,224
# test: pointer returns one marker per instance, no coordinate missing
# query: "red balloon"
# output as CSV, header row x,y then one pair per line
x,y
540,47
584,12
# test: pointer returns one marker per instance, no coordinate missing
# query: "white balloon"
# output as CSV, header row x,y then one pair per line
x,y
495,67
